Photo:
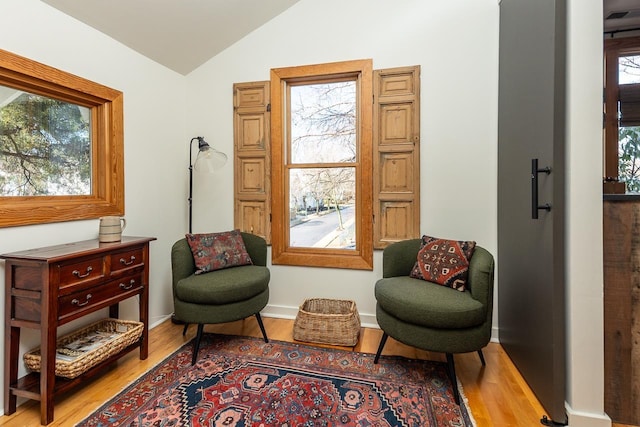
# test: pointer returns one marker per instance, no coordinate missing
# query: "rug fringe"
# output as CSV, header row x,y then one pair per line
x,y
465,400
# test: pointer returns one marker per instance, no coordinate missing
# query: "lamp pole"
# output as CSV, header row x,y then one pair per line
x,y
202,146
190,200
218,159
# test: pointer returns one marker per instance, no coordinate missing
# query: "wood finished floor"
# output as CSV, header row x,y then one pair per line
x,y
497,395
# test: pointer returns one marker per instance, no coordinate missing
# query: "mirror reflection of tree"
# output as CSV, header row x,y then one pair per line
x,y
323,148
45,146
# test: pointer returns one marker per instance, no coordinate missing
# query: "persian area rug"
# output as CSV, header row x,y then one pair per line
x,y
243,381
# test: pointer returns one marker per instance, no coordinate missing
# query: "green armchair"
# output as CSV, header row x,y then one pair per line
x,y
433,317
223,295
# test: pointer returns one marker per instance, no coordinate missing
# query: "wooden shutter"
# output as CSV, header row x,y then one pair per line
x,y
396,161
252,159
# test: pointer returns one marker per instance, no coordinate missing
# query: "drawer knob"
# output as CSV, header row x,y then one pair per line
x,y
125,262
80,275
129,286
77,302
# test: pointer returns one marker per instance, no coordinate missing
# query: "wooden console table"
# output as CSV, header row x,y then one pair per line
x,y
48,287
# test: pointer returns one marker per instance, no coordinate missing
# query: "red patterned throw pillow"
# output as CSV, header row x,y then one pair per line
x,y
443,261
215,251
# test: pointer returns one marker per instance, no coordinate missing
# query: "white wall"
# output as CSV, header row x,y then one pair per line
x,y
585,327
155,143
456,45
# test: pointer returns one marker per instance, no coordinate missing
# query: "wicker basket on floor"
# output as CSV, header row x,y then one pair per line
x,y
123,333
327,321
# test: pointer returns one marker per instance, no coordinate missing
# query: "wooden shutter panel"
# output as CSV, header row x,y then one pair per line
x,y
396,161
252,158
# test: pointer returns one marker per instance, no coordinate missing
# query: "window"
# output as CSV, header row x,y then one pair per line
x,y
46,146
61,139
314,206
622,116
322,165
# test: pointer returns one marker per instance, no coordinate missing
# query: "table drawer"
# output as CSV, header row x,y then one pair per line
x,y
126,259
90,298
87,270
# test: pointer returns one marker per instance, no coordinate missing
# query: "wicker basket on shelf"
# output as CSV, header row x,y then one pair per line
x,y
82,349
327,321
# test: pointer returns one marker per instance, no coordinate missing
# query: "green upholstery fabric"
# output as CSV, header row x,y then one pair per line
x,y
399,258
222,295
210,314
433,317
427,304
432,339
230,285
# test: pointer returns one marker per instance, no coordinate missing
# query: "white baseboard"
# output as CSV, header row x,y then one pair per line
x,y
495,336
279,311
367,320
586,419
161,319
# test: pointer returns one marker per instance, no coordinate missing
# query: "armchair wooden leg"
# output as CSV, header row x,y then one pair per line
x,y
383,341
482,357
184,330
264,332
196,343
451,369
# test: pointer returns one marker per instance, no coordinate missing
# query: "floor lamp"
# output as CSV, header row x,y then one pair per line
x,y
208,160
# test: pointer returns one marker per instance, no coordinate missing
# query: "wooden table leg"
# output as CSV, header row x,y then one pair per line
x,y
144,318
47,373
11,352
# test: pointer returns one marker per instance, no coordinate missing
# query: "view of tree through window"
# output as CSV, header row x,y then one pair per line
x,y
629,131
45,146
322,175
321,165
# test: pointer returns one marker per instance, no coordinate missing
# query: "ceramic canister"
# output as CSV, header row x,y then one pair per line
x,y
111,228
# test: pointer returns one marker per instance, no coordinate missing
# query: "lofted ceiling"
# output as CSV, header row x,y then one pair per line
x,y
184,34
180,34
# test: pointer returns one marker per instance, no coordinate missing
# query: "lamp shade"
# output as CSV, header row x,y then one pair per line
x,y
209,160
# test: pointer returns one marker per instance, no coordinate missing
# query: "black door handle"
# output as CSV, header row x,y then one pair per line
x,y
535,171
